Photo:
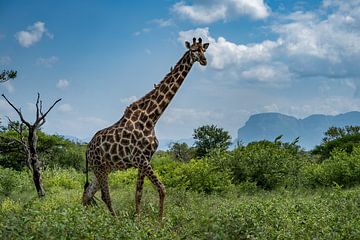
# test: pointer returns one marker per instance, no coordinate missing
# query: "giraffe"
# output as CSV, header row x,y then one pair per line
x,y
131,141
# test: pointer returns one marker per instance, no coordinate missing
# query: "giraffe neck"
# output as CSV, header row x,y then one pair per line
x,y
156,101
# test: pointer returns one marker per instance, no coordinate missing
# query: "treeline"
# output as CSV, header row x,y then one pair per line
x,y
209,166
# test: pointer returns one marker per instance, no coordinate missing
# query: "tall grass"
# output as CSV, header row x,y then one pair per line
x,y
241,212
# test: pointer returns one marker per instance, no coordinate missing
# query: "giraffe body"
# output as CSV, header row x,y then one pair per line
x,y
131,141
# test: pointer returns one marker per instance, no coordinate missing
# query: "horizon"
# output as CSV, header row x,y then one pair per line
x,y
296,58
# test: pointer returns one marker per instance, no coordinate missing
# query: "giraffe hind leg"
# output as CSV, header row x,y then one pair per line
x,y
89,192
161,189
105,193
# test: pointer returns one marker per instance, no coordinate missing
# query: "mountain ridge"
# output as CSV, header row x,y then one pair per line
x,y
311,129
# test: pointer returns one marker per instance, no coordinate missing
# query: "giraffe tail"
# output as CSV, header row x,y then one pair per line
x,y
86,199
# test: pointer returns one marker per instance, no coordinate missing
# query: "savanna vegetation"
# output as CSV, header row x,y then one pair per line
x,y
264,190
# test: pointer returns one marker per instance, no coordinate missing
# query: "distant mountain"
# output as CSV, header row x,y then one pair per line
x,y
310,130
164,144
74,139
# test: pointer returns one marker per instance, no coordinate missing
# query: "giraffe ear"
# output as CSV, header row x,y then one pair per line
x,y
187,45
206,45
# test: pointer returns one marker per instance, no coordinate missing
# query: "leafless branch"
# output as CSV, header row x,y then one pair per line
x,y
18,111
41,120
19,131
37,106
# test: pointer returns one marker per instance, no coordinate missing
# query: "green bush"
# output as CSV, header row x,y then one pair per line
x,y
8,181
120,178
341,168
63,178
197,175
200,175
268,164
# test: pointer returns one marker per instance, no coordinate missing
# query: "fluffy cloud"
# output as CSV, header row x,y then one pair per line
x,y
277,74
307,44
65,107
223,53
33,34
163,22
62,84
250,62
183,116
46,62
215,10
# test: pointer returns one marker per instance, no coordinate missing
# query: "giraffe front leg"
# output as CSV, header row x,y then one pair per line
x,y
161,189
138,192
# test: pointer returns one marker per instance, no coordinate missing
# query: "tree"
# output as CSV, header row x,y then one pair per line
x,y
7,75
29,142
181,152
345,138
210,137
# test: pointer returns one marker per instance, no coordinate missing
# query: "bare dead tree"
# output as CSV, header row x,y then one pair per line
x,y
30,141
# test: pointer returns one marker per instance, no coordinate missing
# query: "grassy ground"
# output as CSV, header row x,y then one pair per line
x,y
240,213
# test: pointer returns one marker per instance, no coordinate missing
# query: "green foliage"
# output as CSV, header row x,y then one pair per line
x,y
330,213
210,137
62,179
266,163
120,178
341,168
6,75
181,152
338,138
199,175
11,180
8,181
53,150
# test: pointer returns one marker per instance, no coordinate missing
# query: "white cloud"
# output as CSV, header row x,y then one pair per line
x,y
65,107
332,105
183,116
248,62
276,74
319,43
128,100
4,106
223,53
216,10
163,22
81,127
46,62
147,51
5,60
142,31
62,84
8,86
33,34
95,121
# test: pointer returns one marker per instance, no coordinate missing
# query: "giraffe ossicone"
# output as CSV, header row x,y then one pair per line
x,y
131,141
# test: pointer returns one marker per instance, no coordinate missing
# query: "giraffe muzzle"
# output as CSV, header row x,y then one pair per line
x,y
203,62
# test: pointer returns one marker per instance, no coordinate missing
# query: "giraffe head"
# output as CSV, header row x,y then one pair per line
x,y
197,51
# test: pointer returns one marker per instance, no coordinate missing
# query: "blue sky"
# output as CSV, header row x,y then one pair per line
x,y
292,57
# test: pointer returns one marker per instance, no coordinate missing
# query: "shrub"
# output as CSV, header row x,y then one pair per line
x,y
120,178
8,181
64,178
198,175
268,164
341,168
